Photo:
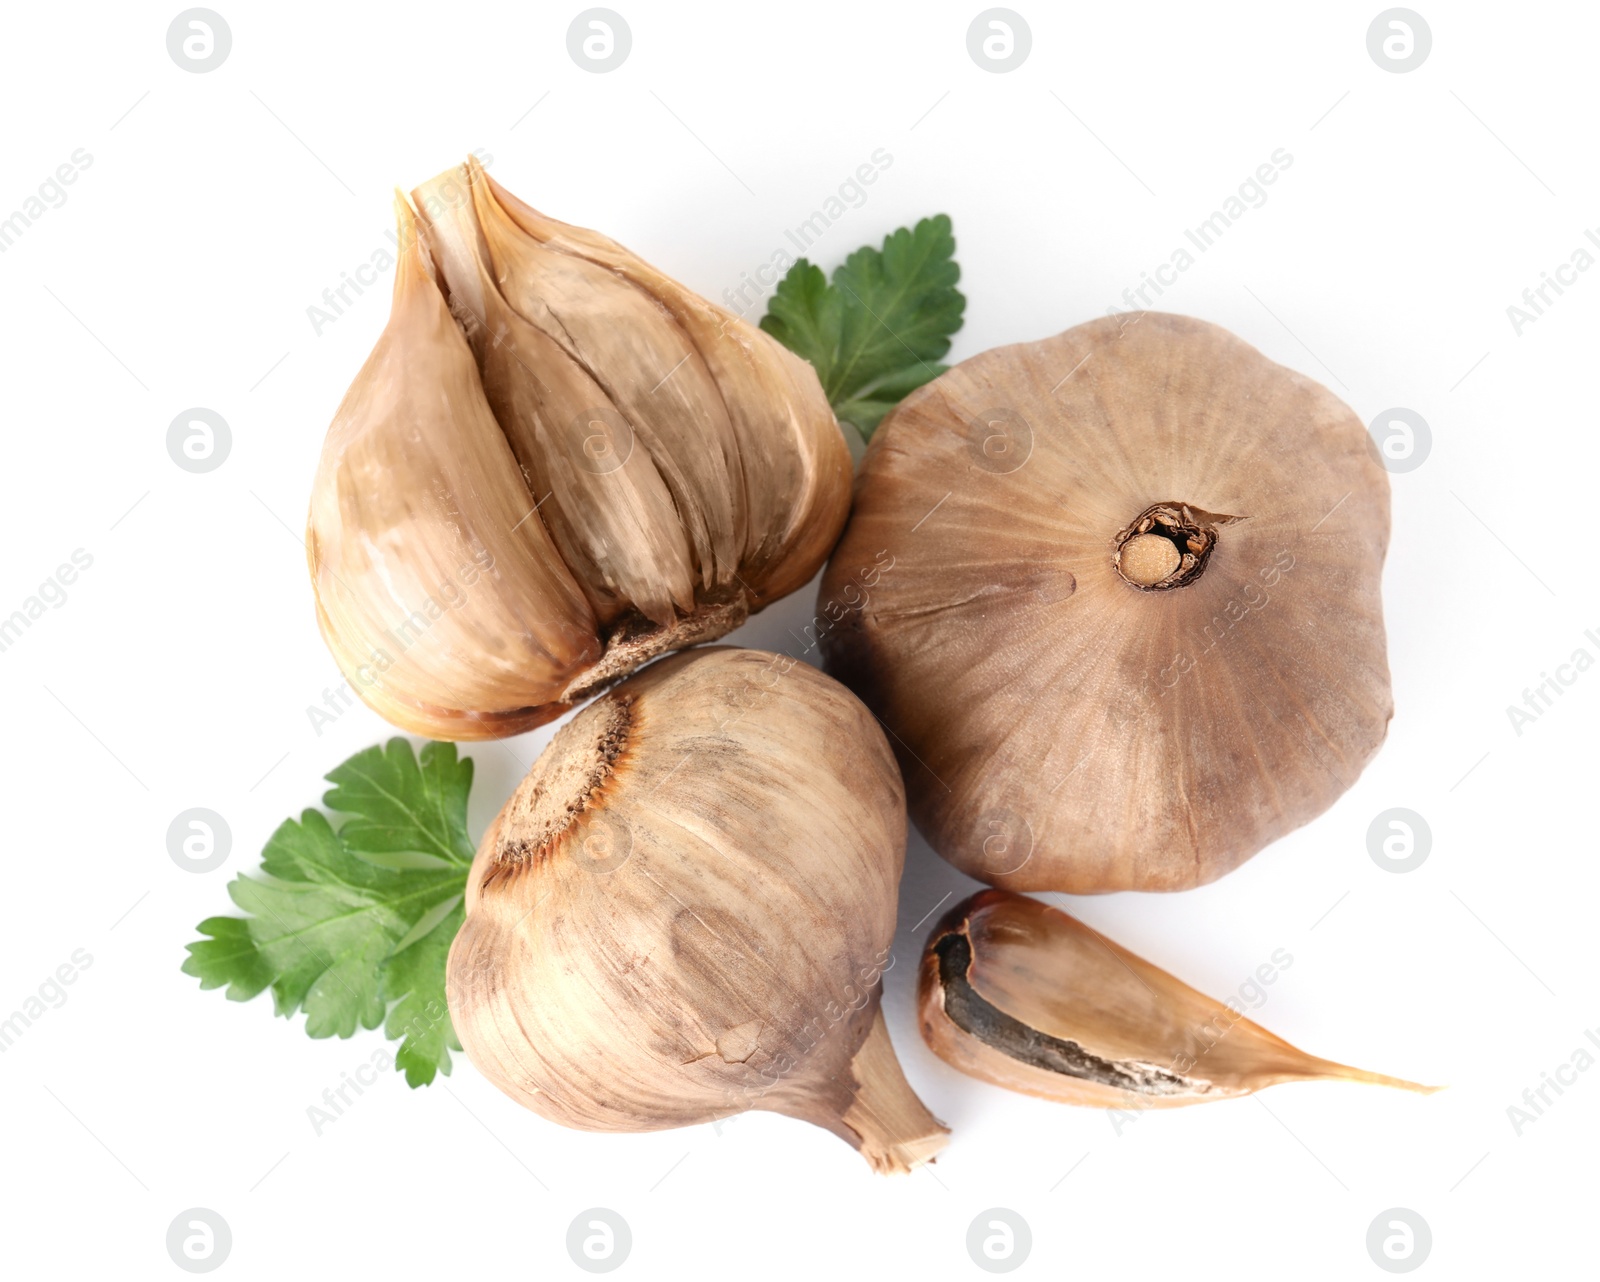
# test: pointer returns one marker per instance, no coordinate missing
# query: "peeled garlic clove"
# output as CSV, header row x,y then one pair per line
x,y
1124,618
452,614
686,909
1020,994
675,467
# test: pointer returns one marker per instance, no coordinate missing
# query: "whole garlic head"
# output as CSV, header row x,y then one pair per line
x,y
1116,596
686,909
556,464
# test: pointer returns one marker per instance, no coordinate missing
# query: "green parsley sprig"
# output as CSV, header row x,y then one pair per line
x,y
353,925
878,331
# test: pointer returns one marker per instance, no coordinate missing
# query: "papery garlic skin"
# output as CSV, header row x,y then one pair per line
x,y
795,465
451,614
671,469
686,909
1071,721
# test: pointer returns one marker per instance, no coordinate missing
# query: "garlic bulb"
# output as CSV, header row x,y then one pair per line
x,y
556,464
686,908
1116,595
1021,995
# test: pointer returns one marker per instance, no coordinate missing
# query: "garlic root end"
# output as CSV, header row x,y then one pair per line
x,y
629,649
895,1131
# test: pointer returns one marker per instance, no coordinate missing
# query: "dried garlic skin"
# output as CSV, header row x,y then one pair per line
x,y
671,470
1024,996
1075,708
449,616
686,908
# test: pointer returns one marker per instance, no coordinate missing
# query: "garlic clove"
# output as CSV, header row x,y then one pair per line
x,y
797,470
1022,995
1130,720
686,908
657,380
606,411
453,614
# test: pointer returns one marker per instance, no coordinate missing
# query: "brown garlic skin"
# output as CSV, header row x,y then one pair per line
x,y
1130,629
557,464
1021,995
686,908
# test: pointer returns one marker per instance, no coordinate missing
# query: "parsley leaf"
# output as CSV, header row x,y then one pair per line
x,y
353,926
420,1020
877,332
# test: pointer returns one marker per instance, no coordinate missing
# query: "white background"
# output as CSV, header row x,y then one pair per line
x,y
217,209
